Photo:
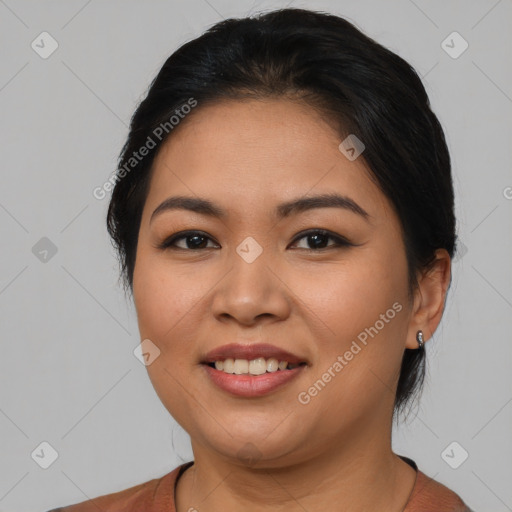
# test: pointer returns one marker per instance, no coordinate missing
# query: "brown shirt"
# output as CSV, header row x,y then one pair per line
x,y
157,495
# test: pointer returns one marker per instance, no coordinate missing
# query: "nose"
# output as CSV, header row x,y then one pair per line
x,y
251,293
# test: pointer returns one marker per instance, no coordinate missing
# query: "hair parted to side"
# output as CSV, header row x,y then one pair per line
x,y
354,82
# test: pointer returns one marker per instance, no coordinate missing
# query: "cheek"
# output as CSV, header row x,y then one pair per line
x,y
363,309
360,340
353,296
162,300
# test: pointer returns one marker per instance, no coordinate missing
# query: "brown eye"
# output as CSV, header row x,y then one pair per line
x,y
193,240
318,239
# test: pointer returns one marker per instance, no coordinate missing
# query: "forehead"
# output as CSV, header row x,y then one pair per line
x,y
256,152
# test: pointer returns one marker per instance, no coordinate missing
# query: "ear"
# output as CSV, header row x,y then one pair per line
x,y
429,299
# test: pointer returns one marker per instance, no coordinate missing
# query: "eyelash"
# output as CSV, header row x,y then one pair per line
x,y
339,240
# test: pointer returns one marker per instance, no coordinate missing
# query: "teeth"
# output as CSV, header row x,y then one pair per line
x,y
241,366
229,366
257,366
272,365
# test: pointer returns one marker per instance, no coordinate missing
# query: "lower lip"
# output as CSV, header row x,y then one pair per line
x,y
252,386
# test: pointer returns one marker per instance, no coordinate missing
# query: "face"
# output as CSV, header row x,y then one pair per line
x,y
325,282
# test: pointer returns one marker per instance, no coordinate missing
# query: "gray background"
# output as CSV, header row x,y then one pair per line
x,y
68,373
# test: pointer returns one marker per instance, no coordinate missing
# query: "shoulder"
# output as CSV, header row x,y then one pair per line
x,y
153,495
427,493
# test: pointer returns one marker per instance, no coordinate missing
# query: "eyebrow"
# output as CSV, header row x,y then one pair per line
x,y
206,207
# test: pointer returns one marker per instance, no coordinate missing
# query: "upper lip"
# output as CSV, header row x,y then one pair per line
x,y
250,352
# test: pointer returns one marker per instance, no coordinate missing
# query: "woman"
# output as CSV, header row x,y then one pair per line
x,y
283,214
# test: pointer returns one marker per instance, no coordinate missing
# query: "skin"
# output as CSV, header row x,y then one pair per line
x,y
247,157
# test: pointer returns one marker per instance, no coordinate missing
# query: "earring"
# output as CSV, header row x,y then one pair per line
x,y
419,339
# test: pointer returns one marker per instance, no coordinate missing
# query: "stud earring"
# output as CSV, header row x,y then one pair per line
x,y
419,339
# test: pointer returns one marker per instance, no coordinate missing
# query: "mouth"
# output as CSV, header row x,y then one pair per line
x,y
253,359
252,370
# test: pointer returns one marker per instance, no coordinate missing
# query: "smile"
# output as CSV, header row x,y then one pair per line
x,y
258,366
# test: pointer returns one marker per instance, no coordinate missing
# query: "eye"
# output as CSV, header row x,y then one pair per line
x,y
197,240
318,239
193,240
